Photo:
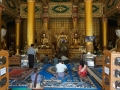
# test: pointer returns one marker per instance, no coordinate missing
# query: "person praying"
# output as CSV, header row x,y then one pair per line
x,y
60,69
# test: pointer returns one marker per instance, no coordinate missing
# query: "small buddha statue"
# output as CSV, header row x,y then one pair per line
x,y
76,40
117,46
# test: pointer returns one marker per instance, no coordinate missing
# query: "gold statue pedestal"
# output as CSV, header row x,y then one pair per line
x,y
74,53
42,53
44,47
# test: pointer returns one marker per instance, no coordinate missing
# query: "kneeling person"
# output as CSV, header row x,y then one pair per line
x,y
60,69
82,71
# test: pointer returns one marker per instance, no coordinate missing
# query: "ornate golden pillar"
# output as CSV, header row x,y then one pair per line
x,y
17,44
104,33
45,17
31,22
88,23
75,17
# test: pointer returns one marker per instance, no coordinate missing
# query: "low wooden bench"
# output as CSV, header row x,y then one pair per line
x,y
15,60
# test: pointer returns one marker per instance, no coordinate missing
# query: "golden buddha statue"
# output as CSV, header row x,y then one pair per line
x,y
76,41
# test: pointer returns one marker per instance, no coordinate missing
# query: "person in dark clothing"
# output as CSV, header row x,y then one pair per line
x,y
46,60
31,52
55,60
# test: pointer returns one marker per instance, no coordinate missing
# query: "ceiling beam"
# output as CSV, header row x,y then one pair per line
x,y
45,2
76,2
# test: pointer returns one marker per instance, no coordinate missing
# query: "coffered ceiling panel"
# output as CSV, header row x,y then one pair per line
x,y
13,5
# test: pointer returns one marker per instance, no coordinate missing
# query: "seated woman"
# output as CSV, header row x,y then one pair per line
x,y
82,70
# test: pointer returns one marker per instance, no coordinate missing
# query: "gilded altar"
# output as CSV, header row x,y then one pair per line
x,y
42,53
60,40
74,53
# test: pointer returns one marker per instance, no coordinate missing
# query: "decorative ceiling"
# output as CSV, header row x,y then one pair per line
x,y
45,2
9,17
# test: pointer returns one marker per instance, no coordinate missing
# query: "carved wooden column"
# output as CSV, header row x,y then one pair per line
x,y
0,28
17,44
75,17
2,7
88,23
104,32
118,20
31,22
45,17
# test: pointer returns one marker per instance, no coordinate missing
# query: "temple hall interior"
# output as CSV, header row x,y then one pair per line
x,y
60,45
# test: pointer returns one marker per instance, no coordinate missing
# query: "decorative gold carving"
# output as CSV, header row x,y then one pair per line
x,y
62,39
38,10
89,48
52,13
97,10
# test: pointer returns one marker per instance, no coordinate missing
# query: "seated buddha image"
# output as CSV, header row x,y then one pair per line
x,y
44,40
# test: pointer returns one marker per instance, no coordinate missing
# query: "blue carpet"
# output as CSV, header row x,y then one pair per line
x,y
70,77
45,73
